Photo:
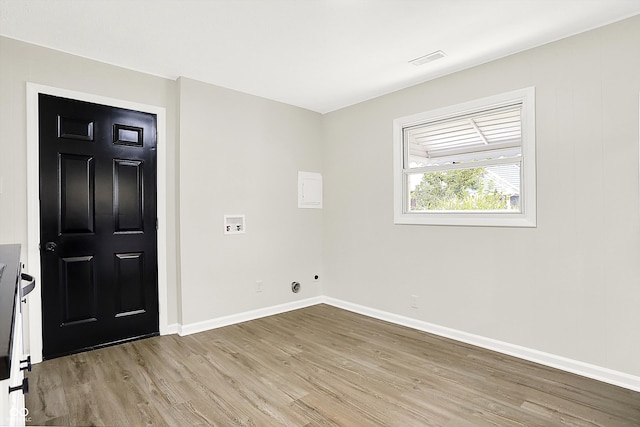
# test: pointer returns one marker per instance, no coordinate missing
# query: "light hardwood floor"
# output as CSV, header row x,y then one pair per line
x,y
318,366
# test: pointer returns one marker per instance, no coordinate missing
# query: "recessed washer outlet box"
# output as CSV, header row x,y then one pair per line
x,y
235,224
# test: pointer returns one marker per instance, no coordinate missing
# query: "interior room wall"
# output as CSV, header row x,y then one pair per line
x,y
23,62
240,154
568,287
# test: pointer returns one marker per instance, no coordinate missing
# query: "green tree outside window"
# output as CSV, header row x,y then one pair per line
x,y
459,189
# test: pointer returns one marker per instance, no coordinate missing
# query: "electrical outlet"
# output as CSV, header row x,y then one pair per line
x,y
414,301
258,285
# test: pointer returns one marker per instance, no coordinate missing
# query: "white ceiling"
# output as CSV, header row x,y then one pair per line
x,y
317,54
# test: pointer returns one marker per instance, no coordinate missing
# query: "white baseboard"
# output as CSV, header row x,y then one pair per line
x,y
171,329
606,375
192,328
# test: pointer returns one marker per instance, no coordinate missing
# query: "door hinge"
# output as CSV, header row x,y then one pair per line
x,y
157,227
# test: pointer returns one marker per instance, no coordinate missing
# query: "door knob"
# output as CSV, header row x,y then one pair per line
x,y
50,246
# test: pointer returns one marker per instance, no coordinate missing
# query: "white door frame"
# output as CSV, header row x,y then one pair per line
x,y
34,320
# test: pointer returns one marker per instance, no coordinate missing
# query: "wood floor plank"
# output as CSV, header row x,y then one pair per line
x,y
318,366
48,401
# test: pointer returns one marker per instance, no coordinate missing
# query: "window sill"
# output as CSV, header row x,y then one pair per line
x,y
466,219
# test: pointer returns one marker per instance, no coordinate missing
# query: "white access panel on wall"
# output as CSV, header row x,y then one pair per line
x,y
309,190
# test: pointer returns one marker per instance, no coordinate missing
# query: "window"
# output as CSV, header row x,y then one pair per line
x,y
468,164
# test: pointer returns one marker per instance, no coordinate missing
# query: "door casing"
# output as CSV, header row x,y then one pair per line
x,y
34,320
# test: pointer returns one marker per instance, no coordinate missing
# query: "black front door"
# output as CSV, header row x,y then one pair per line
x,y
98,235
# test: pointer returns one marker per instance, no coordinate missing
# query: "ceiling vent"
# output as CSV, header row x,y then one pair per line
x,y
433,56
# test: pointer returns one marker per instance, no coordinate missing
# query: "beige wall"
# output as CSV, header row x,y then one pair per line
x,y
240,154
21,63
571,286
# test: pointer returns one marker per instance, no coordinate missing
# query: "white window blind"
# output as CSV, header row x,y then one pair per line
x,y
489,134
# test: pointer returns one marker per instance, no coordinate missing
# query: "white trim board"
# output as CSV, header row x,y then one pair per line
x,y
606,375
33,204
193,328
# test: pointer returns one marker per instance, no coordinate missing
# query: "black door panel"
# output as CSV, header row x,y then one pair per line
x,y
98,234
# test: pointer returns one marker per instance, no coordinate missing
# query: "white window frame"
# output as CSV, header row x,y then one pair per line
x,y
526,217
